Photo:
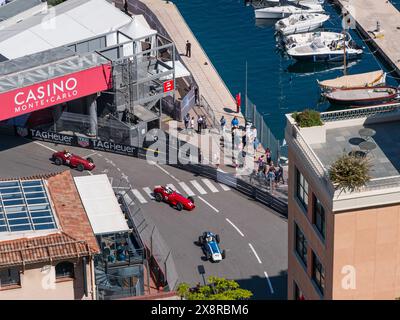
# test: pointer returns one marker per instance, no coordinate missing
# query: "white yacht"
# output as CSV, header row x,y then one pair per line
x,y
298,23
301,39
320,51
283,11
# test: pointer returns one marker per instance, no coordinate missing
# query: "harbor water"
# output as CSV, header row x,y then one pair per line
x,y
231,36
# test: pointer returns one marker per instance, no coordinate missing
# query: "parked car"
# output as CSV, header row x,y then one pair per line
x,y
209,242
174,198
73,161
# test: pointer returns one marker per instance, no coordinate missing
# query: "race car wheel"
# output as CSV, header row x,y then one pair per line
x,y
58,161
191,199
80,167
223,254
208,256
179,206
217,238
158,197
89,160
200,240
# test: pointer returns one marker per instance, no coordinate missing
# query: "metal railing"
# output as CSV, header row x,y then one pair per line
x,y
209,112
359,112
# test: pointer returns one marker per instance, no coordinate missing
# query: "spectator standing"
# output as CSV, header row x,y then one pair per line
x,y
188,49
235,123
186,120
222,122
268,156
199,124
196,96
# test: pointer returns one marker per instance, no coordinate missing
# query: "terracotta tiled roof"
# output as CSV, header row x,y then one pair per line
x,y
40,249
76,237
69,209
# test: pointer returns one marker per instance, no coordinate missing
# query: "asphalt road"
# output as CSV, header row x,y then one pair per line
x,y
254,237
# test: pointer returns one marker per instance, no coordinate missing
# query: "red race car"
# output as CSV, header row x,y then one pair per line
x,y
72,160
173,198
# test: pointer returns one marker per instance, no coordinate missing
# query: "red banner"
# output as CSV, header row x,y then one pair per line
x,y
55,91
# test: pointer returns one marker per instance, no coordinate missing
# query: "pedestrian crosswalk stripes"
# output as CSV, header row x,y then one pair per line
x,y
139,196
209,184
145,194
224,187
198,187
186,188
149,192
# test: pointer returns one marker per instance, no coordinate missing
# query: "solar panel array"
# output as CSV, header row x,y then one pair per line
x,y
24,206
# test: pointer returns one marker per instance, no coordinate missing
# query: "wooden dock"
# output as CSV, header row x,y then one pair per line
x,y
210,84
367,13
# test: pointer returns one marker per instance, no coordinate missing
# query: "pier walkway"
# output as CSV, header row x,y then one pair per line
x,y
210,84
367,13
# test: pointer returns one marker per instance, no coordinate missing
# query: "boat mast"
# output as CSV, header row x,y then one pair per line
x,y
246,89
344,53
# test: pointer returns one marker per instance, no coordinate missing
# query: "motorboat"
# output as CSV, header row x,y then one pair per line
x,y
301,39
283,11
333,51
303,22
363,96
277,2
367,79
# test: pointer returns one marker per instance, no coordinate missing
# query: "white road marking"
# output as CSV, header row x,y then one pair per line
x,y
207,203
224,187
92,154
119,169
186,188
210,185
42,145
255,253
198,187
149,192
139,196
237,229
165,171
90,173
269,282
111,180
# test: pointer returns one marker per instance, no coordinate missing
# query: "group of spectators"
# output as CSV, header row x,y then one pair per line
x,y
190,123
268,171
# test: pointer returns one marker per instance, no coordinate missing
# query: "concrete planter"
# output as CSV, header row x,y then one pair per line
x,y
314,135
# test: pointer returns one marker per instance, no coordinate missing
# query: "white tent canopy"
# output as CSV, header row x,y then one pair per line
x,y
180,70
101,205
69,22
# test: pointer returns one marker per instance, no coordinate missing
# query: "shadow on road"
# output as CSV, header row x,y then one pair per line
x,y
261,290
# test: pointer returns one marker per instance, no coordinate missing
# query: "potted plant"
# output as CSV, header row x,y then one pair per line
x,y
349,173
311,126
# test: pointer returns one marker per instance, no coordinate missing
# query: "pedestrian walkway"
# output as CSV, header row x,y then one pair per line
x,y
188,188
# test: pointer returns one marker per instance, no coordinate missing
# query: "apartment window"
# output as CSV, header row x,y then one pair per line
x,y
64,270
319,217
9,277
301,245
318,273
298,294
302,189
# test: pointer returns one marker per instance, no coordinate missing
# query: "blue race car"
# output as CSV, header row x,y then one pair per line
x,y
209,242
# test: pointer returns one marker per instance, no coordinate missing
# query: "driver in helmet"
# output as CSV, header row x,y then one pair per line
x,y
168,190
209,238
66,153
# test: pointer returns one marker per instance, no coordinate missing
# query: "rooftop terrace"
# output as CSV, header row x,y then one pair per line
x,y
340,134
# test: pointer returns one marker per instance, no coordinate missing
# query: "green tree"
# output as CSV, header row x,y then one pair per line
x,y
216,289
54,2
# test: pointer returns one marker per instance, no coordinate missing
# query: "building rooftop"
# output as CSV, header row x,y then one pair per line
x,y
385,158
68,22
15,7
69,235
318,147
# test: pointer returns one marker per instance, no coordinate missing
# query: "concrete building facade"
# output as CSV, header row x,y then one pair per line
x,y
344,245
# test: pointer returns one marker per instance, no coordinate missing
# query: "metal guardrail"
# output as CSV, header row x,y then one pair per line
x,y
209,111
359,112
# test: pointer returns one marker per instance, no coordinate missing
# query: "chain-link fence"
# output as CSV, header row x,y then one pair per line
x,y
159,255
264,133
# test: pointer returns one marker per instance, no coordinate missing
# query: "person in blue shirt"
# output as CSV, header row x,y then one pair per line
x,y
235,123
